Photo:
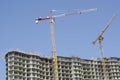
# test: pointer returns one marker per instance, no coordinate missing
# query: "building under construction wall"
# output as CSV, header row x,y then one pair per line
x,y
29,66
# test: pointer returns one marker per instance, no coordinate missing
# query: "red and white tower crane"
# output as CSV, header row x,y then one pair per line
x,y
51,18
100,39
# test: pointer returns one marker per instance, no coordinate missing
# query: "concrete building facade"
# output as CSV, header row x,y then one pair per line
x,y
30,66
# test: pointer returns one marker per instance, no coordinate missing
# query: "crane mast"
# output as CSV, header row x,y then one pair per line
x,y
100,39
54,55
51,18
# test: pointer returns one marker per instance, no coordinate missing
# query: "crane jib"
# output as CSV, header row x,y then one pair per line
x,y
65,14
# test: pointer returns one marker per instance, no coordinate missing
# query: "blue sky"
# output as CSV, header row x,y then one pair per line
x,y
73,34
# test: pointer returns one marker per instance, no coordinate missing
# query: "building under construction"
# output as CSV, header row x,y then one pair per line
x,y
30,66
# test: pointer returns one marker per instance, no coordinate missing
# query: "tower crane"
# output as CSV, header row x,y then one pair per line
x,y
100,39
51,18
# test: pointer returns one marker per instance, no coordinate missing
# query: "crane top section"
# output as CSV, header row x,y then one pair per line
x,y
99,37
64,14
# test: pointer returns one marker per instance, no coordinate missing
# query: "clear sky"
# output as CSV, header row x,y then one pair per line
x,y
73,34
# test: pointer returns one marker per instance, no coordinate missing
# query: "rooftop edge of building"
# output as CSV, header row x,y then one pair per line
x,y
69,57
26,53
